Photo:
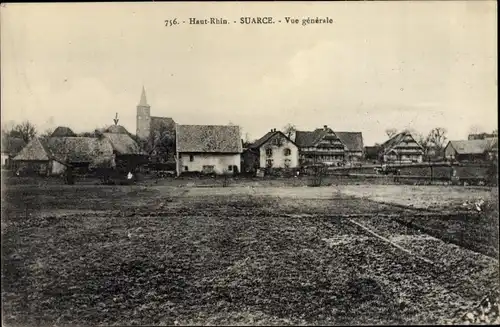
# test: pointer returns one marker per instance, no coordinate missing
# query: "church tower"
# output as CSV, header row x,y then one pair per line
x,y
143,119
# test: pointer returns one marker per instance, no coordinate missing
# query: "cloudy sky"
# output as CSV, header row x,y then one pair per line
x,y
379,65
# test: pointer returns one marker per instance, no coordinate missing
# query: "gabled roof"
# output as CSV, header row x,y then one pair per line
x,y
352,140
267,137
208,138
12,145
307,138
62,131
395,140
474,146
123,144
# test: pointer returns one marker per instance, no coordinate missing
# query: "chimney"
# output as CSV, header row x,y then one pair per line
x,y
325,126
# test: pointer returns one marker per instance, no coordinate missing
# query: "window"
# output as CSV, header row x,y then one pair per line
x,y
269,163
191,158
186,168
287,163
208,169
269,152
288,152
230,168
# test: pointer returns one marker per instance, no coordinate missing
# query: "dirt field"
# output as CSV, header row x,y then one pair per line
x,y
157,255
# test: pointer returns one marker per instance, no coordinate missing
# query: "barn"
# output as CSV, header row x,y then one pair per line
x,y
473,150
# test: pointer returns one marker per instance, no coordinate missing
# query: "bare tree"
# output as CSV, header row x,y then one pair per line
x,y
289,130
495,132
25,130
437,137
391,132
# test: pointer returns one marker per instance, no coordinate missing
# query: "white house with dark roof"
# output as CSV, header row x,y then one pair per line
x,y
208,149
275,150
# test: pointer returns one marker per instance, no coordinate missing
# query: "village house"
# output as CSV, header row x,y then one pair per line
x,y
353,142
51,156
158,133
473,150
128,155
11,146
208,149
273,150
401,148
320,146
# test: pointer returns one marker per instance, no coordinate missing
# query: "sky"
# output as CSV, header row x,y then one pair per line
x,y
380,65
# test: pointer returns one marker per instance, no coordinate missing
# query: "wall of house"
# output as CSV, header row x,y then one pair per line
x,y
57,168
354,155
5,159
403,157
449,152
328,158
220,162
278,157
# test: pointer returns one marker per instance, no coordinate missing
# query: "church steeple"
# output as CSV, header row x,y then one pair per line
x,y
143,119
143,102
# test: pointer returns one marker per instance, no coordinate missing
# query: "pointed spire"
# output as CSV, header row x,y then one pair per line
x,y
143,101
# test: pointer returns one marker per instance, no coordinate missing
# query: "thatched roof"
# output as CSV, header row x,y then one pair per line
x,y
208,139
123,144
68,150
34,151
78,149
12,145
62,131
116,129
